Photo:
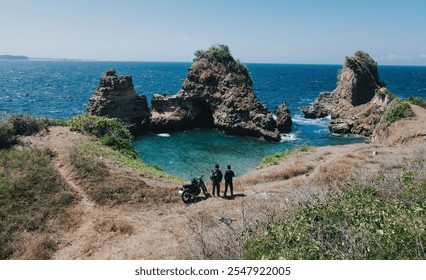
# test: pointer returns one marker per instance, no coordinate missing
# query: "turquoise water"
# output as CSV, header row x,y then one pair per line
x,y
61,89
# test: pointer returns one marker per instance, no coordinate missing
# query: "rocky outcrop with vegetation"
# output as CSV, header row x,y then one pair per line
x,y
356,85
217,93
360,104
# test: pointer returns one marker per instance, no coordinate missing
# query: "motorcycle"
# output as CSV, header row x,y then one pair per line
x,y
190,191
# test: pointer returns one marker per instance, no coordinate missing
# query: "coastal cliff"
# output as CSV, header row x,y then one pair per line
x,y
217,93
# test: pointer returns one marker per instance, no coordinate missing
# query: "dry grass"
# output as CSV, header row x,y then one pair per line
x,y
335,173
39,247
120,226
287,173
224,237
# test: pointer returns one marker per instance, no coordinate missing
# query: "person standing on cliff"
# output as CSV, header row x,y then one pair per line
x,y
229,174
216,178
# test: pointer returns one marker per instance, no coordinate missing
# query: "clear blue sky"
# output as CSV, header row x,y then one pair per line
x,y
277,31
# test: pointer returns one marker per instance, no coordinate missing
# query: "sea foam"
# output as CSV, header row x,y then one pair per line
x,y
288,137
163,135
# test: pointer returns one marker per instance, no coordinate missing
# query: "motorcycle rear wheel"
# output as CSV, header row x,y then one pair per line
x,y
186,197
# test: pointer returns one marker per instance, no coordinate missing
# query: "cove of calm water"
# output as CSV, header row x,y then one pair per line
x,y
61,89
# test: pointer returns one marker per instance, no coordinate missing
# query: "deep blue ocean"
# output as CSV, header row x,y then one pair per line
x,y
61,89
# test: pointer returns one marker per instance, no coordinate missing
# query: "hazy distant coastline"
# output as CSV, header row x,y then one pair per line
x,y
13,57
23,57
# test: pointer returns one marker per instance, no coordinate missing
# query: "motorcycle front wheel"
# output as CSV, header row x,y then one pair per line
x,y
186,196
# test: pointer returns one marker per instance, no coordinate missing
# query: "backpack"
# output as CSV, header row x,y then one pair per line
x,y
216,175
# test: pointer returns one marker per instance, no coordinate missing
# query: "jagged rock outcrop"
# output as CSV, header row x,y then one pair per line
x,y
357,83
218,92
115,97
283,118
362,119
359,102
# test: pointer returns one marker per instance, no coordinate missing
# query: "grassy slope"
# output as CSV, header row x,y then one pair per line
x,y
31,195
382,217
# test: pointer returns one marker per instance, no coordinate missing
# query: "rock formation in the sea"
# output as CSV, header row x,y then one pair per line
x,y
362,119
283,114
356,85
217,93
359,101
115,97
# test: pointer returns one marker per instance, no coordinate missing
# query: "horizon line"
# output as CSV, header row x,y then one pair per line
x,y
165,61
172,61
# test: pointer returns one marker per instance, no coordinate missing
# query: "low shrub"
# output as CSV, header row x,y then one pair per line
x,y
111,132
218,51
109,187
119,144
19,125
399,111
417,101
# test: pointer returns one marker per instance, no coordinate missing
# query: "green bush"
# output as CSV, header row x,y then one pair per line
x,y
119,144
417,101
111,132
218,51
19,125
7,135
399,111
358,223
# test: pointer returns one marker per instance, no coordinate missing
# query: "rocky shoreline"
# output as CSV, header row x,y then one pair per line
x,y
218,93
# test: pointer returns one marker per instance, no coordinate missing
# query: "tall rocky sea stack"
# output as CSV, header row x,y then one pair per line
x,y
115,97
356,85
359,101
217,93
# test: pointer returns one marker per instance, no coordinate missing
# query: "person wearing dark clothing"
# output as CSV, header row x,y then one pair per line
x,y
216,178
229,174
